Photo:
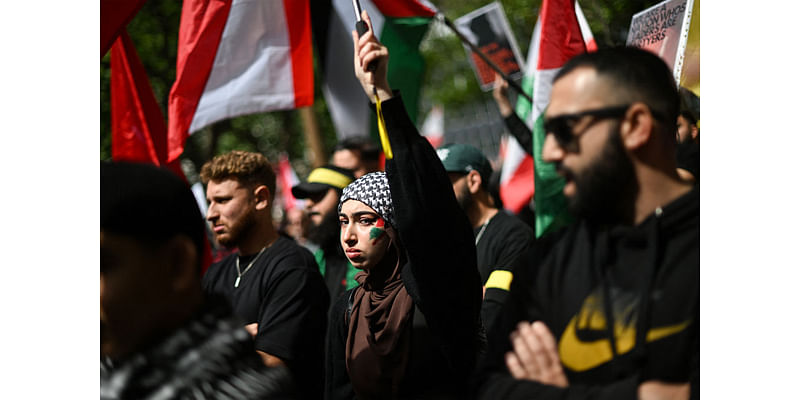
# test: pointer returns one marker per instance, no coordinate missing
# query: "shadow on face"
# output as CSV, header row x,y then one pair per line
x,y
136,293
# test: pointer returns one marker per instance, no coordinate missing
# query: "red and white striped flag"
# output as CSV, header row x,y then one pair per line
x,y
239,57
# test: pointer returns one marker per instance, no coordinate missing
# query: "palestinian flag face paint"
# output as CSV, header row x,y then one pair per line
x,y
377,232
364,234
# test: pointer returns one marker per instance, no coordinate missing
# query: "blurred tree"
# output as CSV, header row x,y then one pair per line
x,y
449,79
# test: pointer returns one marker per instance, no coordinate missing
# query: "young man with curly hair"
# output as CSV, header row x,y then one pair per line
x,y
272,282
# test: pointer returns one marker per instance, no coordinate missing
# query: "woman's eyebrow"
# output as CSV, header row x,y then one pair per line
x,y
359,214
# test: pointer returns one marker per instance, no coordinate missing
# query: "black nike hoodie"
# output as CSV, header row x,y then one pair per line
x,y
644,281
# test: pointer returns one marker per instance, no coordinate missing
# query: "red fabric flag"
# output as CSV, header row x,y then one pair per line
x,y
237,58
114,16
138,131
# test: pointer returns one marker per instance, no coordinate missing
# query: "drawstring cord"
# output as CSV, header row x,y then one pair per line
x,y
653,245
601,255
387,148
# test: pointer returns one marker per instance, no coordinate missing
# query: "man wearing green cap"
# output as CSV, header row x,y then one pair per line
x,y
321,191
499,237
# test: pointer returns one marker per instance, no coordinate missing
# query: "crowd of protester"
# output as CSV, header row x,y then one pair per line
x,y
407,280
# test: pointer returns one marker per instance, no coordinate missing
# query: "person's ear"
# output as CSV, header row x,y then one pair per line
x,y
474,181
637,126
183,261
695,131
262,195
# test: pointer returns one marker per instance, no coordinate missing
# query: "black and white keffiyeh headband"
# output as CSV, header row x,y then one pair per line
x,y
373,190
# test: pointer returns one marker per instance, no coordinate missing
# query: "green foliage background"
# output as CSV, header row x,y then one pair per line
x,y
449,79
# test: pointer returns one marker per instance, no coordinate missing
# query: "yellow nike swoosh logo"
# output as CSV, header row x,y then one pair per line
x,y
664,331
581,356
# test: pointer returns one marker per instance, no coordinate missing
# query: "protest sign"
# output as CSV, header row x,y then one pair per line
x,y
663,29
488,29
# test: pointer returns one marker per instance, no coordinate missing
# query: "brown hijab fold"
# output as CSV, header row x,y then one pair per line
x,y
378,334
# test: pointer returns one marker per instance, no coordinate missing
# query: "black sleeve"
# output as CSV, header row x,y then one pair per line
x,y
528,301
292,323
515,241
337,381
517,128
437,237
296,303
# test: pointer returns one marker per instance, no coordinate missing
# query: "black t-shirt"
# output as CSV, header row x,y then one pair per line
x,y
502,241
284,293
688,158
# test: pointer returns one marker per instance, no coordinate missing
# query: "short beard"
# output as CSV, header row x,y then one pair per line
x,y
240,229
606,189
326,234
465,199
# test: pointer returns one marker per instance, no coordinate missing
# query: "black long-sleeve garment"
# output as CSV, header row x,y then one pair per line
x,y
644,281
440,274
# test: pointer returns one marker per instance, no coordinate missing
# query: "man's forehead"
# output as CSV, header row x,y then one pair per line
x,y
577,91
328,196
346,158
223,185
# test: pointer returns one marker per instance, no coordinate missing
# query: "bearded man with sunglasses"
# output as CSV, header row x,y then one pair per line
x,y
609,307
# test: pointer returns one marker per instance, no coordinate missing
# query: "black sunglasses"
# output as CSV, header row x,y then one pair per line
x,y
561,126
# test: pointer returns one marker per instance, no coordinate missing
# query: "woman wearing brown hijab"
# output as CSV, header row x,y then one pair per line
x,y
411,329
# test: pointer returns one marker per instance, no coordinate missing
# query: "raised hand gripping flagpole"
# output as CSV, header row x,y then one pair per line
x,y
362,28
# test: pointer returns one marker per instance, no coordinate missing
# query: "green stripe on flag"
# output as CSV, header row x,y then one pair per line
x,y
524,106
406,66
548,196
551,205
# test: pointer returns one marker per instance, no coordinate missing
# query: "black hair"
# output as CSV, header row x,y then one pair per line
x,y
149,204
368,149
638,75
689,117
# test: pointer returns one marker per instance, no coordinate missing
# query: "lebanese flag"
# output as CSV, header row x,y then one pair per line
x,y
400,25
561,33
239,57
433,126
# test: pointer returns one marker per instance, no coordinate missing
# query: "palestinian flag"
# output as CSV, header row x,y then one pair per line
x,y
400,25
516,175
561,33
239,57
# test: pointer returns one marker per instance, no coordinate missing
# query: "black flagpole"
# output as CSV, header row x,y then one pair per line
x,y
484,57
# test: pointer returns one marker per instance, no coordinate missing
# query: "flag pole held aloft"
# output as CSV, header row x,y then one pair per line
x,y
483,56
